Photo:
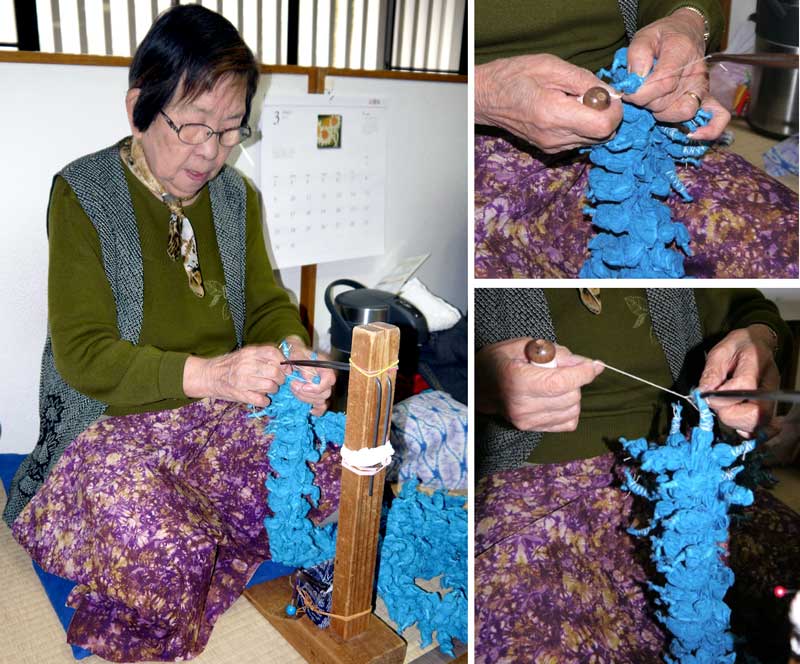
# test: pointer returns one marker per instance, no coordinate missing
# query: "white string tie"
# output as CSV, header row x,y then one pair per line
x,y
647,382
367,461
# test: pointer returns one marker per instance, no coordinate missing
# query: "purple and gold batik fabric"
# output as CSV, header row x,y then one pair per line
x,y
559,581
158,518
328,476
529,220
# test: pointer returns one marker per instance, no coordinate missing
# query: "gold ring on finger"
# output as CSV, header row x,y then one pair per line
x,y
695,96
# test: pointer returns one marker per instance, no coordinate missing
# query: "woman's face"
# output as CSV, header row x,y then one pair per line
x,y
184,169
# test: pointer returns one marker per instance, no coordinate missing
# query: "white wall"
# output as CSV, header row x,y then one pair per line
x,y
740,10
41,108
51,114
426,191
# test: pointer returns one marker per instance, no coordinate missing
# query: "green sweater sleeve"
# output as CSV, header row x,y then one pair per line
x,y
87,348
270,314
585,32
652,10
148,375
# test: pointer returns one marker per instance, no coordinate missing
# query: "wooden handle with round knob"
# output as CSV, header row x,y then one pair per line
x,y
541,352
597,98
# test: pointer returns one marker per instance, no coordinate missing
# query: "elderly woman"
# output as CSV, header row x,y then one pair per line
x,y
146,486
532,68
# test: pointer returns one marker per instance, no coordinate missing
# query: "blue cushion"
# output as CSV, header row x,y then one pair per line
x,y
58,589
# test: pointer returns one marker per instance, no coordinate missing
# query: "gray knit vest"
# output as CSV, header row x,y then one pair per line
x,y
508,313
98,181
629,10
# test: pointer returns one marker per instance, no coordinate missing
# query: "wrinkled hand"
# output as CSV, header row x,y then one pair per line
x,y
535,97
531,398
743,360
245,375
317,394
675,41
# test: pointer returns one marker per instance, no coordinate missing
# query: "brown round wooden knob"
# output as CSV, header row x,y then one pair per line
x,y
597,98
540,351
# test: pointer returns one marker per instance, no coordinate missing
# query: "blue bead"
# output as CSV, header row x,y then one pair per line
x,y
291,610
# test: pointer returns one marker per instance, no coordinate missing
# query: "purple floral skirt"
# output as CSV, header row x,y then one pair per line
x,y
529,220
158,518
558,579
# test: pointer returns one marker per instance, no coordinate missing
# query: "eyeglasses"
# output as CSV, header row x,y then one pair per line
x,y
195,133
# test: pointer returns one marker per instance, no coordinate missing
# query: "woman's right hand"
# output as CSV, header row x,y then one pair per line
x,y
531,398
535,97
246,375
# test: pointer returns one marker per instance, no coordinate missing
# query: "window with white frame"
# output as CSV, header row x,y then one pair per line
x,y
418,35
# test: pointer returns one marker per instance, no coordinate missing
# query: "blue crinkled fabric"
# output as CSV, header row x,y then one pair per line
x,y
692,487
632,174
293,538
426,536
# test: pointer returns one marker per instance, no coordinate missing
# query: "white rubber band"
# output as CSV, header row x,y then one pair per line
x,y
367,461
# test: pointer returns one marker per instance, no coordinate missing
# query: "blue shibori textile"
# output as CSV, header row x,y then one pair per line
x,y
426,537
429,437
293,539
632,174
692,490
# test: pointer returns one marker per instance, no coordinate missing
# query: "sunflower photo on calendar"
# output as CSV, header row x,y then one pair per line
x,y
329,131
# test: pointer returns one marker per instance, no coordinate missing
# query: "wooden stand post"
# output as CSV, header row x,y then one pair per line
x,y
366,639
375,347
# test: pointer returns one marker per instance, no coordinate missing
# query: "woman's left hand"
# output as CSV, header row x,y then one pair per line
x,y
743,360
317,394
678,86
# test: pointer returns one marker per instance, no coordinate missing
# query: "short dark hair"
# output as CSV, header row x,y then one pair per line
x,y
192,45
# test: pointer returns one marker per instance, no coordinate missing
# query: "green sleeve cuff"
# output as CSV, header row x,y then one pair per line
x,y
170,375
655,9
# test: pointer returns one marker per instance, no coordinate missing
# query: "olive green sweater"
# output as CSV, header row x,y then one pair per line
x,y
621,336
583,32
82,316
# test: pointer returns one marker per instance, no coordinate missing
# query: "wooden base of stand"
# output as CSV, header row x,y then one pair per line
x,y
379,644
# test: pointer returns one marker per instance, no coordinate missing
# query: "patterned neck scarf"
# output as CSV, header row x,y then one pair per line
x,y
180,240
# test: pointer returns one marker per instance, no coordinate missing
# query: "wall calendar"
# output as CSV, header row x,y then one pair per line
x,y
323,170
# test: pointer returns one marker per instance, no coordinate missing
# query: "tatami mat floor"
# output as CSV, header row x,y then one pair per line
x,y
31,634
